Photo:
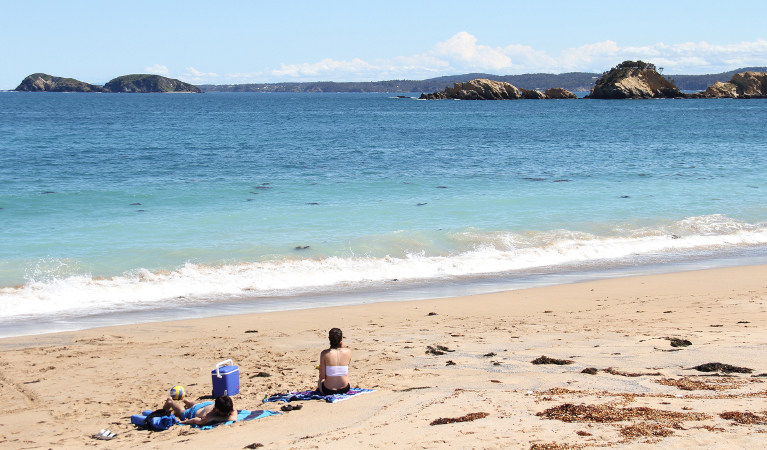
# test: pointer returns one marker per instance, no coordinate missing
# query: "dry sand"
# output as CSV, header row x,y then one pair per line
x,y
59,389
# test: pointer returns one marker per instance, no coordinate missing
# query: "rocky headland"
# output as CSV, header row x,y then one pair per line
x,y
42,82
742,85
484,89
634,80
143,83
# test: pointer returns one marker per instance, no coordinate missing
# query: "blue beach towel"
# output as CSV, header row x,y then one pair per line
x,y
313,395
243,415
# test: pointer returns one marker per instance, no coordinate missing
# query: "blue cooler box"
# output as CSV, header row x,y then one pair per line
x,y
226,379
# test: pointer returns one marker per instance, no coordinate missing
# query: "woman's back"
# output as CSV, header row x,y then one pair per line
x,y
334,365
337,357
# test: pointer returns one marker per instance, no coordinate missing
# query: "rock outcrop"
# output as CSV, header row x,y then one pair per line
x,y
559,93
634,79
479,89
484,89
742,85
42,82
533,94
149,84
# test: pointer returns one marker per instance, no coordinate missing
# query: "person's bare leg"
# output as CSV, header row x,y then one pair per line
x,y
173,405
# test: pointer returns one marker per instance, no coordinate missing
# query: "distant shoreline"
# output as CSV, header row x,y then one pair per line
x,y
572,81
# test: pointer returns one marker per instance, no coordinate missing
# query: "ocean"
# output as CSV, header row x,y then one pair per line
x,y
128,208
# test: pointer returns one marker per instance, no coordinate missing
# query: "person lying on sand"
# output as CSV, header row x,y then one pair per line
x,y
193,413
334,366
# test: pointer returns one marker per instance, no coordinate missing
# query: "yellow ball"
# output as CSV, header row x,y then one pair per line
x,y
177,392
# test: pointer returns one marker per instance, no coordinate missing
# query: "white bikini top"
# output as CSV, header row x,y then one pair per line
x,y
336,371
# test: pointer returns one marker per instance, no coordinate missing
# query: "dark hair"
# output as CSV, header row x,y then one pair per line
x,y
224,404
335,337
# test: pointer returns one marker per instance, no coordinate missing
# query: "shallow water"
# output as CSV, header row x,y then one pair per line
x,y
119,203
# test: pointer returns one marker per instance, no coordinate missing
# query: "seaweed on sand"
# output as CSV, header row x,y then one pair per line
x,y
744,418
547,360
612,371
554,446
569,412
689,384
679,342
645,429
437,350
719,367
467,418
412,389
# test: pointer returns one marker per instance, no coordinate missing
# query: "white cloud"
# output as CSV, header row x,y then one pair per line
x,y
353,67
158,69
194,76
242,76
462,53
527,59
462,50
191,71
687,57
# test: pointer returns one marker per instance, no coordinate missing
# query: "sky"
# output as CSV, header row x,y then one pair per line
x,y
227,42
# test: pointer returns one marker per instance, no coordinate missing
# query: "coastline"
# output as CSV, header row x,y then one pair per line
x,y
398,292
74,383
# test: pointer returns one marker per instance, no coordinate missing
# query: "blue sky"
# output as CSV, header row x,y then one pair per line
x,y
239,42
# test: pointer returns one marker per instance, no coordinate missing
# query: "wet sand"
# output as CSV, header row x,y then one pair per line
x,y
61,388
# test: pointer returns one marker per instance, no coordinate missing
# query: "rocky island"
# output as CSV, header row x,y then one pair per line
x,y
479,89
742,85
144,83
634,79
42,82
627,80
484,89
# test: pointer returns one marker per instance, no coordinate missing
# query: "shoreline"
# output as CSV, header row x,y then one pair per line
x,y
72,384
409,291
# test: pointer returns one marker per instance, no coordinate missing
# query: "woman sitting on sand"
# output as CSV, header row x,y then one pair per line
x,y
334,366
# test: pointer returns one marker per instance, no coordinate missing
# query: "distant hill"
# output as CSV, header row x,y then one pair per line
x,y
42,82
572,81
144,83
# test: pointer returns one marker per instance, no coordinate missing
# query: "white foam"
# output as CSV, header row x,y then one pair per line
x,y
489,253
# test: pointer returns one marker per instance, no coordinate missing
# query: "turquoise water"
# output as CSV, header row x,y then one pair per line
x,y
118,203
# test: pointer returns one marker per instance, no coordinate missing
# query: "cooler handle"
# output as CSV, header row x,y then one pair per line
x,y
223,363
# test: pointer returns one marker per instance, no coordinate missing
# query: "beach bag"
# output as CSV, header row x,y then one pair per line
x,y
159,420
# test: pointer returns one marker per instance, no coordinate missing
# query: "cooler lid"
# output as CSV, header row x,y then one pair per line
x,y
225,369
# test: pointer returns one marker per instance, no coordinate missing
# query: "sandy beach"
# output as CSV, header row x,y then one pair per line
x,y
59,389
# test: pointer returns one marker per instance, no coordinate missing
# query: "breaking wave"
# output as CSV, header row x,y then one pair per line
x,y
470,253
